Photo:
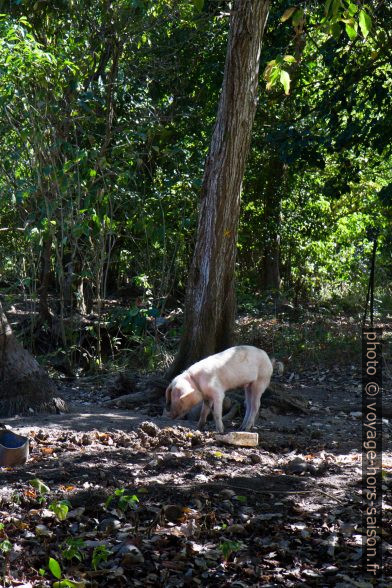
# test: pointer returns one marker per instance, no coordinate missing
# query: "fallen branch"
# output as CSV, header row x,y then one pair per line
x,y
128,400
287,492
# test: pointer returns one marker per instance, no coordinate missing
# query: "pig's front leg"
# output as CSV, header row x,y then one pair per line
x,y
205,411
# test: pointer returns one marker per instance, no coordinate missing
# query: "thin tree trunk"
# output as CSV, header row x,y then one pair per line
x,y
270,272
44,311
210,300
24,384
276,187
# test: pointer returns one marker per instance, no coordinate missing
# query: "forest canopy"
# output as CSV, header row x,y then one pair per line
x,y
107,111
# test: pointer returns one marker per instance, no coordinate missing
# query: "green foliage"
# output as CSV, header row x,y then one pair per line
x,y
227,548
40,486
55,568
106,118
124,501
60,508
5,546
100,554
66,583
72,548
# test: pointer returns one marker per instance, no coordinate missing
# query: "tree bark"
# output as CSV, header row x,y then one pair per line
x,y
210,299
24,384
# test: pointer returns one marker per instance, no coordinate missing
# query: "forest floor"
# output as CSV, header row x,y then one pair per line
x,y
154,502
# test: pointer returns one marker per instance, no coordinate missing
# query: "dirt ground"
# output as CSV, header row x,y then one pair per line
x,y
154,502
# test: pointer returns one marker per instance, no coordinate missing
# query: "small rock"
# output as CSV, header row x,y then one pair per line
x,y
227,493
124,441
227,505
47,514
311,574
297,466
197,504
74,528
150,428
235,529
201,478
43,531
86,439
255,458
174,513
239,438
130,554
329,569
196,439
92,543
108,526
267,516
247,510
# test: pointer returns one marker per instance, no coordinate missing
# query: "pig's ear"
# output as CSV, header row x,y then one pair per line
x,y
168,396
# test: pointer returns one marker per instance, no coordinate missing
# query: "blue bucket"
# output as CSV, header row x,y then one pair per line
x,y
14,449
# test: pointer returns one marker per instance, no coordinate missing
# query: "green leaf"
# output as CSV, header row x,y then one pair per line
x,y
227,548
241,498
55,568
40,486
327,7
198,4
289,59
68,584
335,30
100,554
5,546
60,509
298,17
336,7
352,9
288,13
365,23
285,81
351,32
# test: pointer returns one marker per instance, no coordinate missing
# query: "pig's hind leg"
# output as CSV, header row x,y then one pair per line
x,y
248,395
257,389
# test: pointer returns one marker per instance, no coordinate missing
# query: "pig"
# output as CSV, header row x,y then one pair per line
x,y
207,381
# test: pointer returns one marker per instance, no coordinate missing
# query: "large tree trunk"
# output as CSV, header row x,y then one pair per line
x,y
210,300
24,384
